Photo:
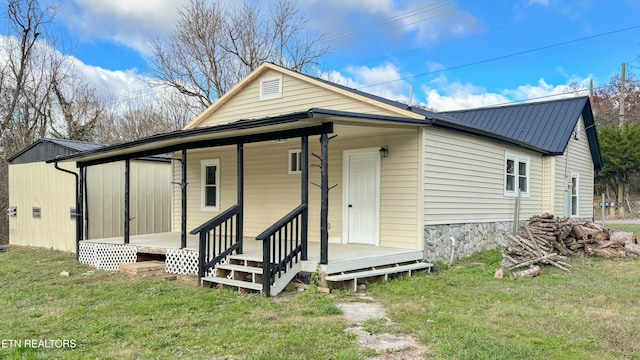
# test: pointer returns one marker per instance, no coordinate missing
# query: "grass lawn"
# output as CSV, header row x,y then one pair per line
x,y
460,312
112,317
464,313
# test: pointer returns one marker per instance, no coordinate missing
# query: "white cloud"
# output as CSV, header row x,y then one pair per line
x,y
443,95
543,3
114,83
382,80
125,22
426,21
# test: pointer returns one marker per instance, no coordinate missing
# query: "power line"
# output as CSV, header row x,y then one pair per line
x,y
503,56
477,33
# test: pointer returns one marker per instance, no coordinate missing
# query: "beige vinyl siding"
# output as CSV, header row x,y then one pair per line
x,y
576,159
464,179
149,198
297,95
40,185
271,192
548,193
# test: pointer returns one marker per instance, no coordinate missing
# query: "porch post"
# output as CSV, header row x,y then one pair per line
x,y
183,196
304,194
79,210
127,167
324,199
240,181
83,175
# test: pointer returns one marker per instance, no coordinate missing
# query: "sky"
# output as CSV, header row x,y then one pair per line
x,y
448,54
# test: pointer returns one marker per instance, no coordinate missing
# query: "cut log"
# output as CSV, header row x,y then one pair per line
x,y
531,272
499,274
626,237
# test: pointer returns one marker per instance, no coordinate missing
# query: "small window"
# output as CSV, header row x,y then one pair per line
x,y
271,88
36,212
516,176
295,161
210,180
12,211
574,196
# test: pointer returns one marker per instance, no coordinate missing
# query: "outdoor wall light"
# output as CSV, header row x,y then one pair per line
x,y
384,152
281,141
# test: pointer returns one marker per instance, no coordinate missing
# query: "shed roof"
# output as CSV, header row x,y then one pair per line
x,y
49,148
46,149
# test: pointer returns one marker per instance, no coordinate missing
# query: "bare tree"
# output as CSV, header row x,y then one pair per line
x,y
79,107
212,47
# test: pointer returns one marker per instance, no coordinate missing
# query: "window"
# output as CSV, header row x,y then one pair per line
x,y
295,161
516,175
574,196
210,180
36,212
271,87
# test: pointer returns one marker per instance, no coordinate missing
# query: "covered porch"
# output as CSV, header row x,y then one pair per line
x,y
272,253
108,253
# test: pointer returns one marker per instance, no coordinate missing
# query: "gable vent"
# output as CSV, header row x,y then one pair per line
x,y
271,88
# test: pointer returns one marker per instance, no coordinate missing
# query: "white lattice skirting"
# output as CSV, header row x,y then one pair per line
x,y
182,261
106,256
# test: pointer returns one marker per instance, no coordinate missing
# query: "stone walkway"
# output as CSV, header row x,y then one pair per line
x,y
387,346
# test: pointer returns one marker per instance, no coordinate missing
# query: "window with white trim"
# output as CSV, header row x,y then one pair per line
x,y
574,196
516,175
271,87
210,183
295,161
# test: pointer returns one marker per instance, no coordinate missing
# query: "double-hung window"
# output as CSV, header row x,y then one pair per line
x,y
574,195
295,161
210,180
516,175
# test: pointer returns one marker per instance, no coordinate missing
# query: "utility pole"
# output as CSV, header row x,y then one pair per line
x,y
622,96
620,181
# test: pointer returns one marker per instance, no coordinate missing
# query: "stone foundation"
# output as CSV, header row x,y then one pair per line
x,y
470,238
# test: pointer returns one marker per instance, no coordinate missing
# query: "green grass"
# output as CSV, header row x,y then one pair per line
x,y
458,313
113,317
464,313
625,227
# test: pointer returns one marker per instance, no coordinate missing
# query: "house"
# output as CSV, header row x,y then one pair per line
x,y
287,171
42,199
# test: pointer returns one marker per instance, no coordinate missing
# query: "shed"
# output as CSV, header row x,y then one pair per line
x,y
42,198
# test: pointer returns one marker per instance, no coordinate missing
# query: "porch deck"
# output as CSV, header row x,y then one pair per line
x,y
342,257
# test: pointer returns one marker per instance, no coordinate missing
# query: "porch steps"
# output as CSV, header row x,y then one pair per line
x,y
350,279
146,269
244,272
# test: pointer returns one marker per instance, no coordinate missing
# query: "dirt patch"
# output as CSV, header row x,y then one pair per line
x,y
387,346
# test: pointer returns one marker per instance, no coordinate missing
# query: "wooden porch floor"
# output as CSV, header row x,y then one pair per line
x,y
342,257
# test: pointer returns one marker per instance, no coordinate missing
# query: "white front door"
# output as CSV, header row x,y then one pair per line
x,y
362,196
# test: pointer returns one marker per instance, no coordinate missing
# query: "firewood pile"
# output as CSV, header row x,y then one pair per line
x,y
548,239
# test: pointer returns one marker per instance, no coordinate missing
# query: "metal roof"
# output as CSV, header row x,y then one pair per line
x,y
245,130
547,125
49,148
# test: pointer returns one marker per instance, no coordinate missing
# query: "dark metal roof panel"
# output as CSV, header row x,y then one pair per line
x,y
545,125
46,148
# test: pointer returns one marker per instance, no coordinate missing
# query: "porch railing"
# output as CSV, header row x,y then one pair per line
x,y
219,238
283,244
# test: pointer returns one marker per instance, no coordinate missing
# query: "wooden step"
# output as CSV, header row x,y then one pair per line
x,y
139,267
246,258
240,268
378,272
231,282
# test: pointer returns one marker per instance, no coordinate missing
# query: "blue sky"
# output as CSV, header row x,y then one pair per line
x,y
443,50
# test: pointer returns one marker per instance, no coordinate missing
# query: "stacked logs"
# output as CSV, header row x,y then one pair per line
x,y
548,239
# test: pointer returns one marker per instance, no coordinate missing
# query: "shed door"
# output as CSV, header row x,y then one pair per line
x,y
362,197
